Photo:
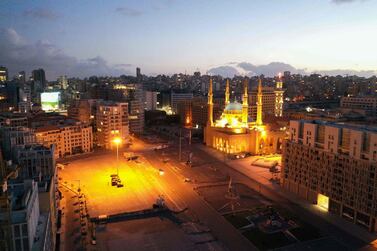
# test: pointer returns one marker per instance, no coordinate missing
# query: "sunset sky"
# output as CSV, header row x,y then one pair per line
x,y
88,37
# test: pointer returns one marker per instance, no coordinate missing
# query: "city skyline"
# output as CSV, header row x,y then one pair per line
x,y
166,37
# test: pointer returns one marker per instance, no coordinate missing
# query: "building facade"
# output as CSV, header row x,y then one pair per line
x,y
15,136
24,214
272,98
111,121
368,104
333,165
150,100
234,133
175,98
36,161
80,110
3,74
9,119
136,109
72,137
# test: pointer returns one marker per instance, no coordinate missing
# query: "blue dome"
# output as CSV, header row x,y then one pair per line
x,y
233,107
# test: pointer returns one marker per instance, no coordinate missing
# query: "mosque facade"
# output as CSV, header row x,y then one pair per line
x,y
234,132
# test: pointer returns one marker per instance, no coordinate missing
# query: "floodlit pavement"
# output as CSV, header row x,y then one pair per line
x,y
143,183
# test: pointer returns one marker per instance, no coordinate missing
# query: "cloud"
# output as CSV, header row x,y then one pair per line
x,y
123,65
345,1
126,11
273,68
225,71
41,14
19,54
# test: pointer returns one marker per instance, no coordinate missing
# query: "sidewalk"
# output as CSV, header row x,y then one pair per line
x,y
261,175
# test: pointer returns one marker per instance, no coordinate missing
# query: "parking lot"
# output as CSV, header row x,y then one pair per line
x,y
142,183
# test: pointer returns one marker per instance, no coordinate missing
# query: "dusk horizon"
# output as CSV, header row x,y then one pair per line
x,y
168,37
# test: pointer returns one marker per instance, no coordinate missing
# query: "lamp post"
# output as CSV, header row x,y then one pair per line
x,y
79,189
117,141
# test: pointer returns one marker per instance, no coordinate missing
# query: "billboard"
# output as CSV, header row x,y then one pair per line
x,y
50,101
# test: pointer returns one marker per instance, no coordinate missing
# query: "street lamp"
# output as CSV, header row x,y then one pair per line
x,y
117,141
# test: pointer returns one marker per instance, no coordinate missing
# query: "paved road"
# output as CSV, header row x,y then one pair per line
x,y
183,193
325,227
142,186
71,236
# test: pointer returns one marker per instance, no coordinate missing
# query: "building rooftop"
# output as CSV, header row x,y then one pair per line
x,y
343,125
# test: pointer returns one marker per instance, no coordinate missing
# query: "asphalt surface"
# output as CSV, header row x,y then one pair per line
x,y
142,185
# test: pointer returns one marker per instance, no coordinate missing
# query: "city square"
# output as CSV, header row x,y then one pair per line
x,y
173,125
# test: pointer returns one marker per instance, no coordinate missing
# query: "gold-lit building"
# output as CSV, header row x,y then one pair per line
x,y
234,132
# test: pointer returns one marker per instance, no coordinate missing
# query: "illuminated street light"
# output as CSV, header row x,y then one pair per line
x,y
117,141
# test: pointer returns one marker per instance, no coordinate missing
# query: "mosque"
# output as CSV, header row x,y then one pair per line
x,y
235,133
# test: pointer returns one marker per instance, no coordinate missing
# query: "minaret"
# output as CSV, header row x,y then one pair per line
x,y
259,121
279,99
227,93
210,103
245,103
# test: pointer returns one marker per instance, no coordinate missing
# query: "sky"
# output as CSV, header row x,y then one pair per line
x,y
80,38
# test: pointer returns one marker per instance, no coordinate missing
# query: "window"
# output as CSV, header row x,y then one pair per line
x,y
16,230
24,230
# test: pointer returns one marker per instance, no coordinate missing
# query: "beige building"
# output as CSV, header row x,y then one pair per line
x,y
112,122
272,98
72,137
233,132
367,104
333,165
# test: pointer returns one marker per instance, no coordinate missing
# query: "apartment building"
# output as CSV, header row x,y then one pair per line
x,y
111,121
9,119
272,99
23,214
150,100
15,136
333,165
36,161
175,98
368,104
80,110
71,137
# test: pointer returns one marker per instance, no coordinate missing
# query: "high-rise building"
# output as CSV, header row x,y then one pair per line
x,y
70,137
333,165
272,98
136,109
366,104
80,109
111,121
138,74
3,74
175,97
23,214
63,82
150,100
24,102
36,161
15,136
39,81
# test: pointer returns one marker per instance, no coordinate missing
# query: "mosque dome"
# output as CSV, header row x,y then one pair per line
x,y
235,106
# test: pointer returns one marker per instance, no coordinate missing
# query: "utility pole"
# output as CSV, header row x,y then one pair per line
x,y
190,136
180,144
